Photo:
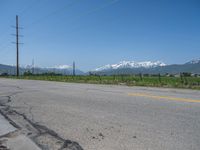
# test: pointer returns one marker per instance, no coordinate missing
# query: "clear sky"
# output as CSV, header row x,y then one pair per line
x,y
97,32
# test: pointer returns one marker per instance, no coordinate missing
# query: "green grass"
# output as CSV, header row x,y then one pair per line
x,y
154,81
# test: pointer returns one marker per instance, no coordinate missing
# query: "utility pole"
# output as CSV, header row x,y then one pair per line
x,y
17,44
33,66
74,69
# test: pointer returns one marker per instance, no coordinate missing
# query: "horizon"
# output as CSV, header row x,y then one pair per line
x,y
68,66
96,33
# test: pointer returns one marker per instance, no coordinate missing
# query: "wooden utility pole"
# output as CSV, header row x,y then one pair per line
x,y
17,44
74,69
33,66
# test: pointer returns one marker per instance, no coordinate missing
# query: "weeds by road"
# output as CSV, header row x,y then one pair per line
x,y
130,80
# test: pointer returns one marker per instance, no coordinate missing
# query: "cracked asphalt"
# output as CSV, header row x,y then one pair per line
x,y
58,115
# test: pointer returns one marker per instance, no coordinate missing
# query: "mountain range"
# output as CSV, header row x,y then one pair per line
x,y
148,67
61,69
123,67
131,64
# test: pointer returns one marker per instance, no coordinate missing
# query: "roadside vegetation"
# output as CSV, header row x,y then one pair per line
x,y
184,80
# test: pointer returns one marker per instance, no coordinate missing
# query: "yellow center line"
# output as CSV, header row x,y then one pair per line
x,y
163,97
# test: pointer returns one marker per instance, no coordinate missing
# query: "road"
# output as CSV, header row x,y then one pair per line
x,y
104,117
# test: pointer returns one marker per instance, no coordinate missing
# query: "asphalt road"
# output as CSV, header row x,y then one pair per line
x,y
108,117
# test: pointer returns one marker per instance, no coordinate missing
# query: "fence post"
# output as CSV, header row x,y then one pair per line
x,y
113,77
122,78
140,76
100,78
181,76
159,77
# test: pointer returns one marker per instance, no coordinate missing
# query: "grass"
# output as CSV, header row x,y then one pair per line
x,y
129,80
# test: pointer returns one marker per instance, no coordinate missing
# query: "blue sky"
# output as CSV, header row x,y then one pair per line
x,y
97,32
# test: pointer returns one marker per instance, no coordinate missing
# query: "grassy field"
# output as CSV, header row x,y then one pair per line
x,y
129,80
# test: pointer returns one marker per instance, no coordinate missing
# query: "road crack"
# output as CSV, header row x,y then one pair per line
x,y
45,138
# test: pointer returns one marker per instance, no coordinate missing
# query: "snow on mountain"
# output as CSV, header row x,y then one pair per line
x,y
131,64
65,69
194,61
61,67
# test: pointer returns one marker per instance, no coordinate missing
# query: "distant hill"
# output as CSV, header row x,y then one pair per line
x,y
148,67
64,69
124,67
7,69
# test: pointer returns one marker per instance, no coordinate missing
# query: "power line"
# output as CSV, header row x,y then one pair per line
x,y
111,2
24,11
6,31
4,49
54,13
96,9
17,29
93,10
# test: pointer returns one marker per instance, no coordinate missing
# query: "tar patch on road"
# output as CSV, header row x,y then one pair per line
x,y
44,137
3,147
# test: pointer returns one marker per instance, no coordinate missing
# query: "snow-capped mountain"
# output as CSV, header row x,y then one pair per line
x,y
194,61
61,67
123,67
64,69
131,64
